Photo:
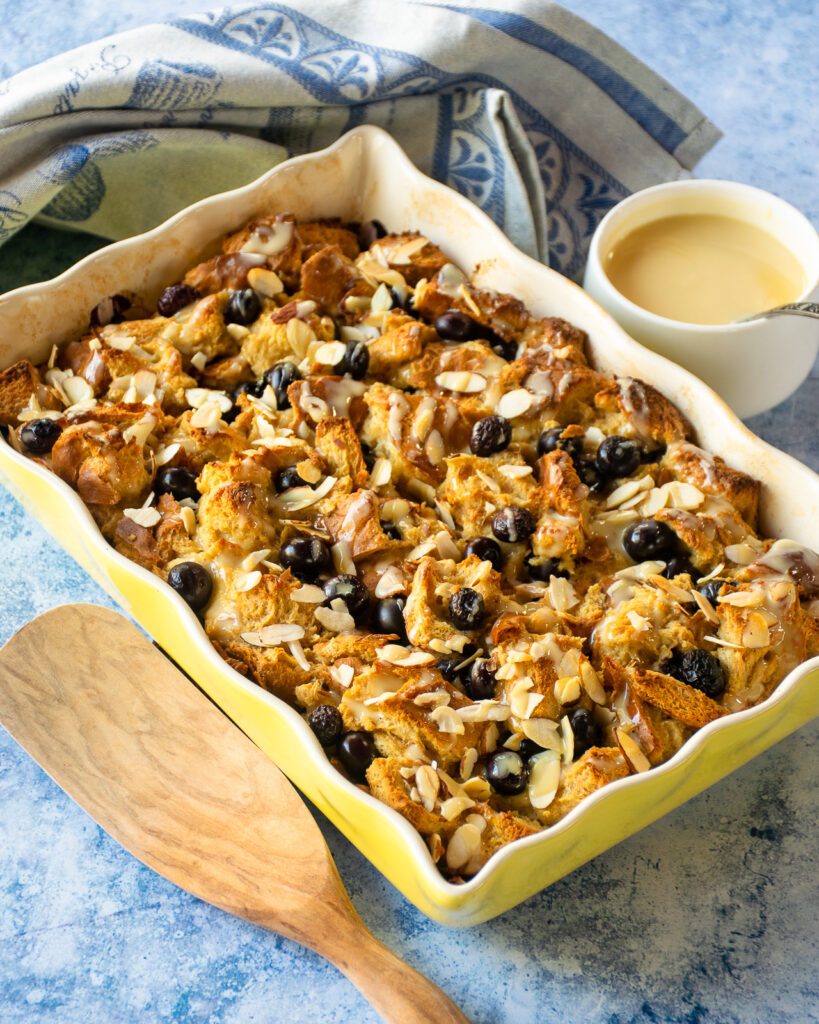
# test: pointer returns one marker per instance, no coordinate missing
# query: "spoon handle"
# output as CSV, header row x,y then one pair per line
x,y
809,309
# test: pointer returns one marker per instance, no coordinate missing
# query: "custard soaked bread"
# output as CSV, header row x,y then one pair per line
x,y
492,578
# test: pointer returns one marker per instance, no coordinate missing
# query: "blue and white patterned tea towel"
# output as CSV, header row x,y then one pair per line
x,y
536,116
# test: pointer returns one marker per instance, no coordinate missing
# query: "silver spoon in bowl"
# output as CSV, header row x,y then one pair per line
x,y
809,309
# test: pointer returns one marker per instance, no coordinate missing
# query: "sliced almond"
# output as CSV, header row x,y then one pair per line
x,y
147,517
247,581
381,473
455,806
427,783
741,554
464,846
567,689
265,282
330,353
632,751
544,779
515,403
390,582
756,633
463,381
335,621
743,598
275,634
308,593
544,732
447,720
705,607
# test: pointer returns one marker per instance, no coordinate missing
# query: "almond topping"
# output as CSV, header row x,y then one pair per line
x,y
330,353
632,751
247,581
265,282
335,621
308,593
464,845
147,517
447,720
455,807
544,779
462,381
515,403
427,783
756,633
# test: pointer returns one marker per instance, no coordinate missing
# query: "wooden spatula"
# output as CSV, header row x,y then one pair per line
x,y
165,773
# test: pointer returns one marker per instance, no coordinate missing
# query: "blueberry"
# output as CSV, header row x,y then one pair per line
x,y
489,435
617,456
699,669
326,723
280,377
351,591
545,569
307,557
678,565
356,751
110,311
528,749
448,667
487,550
551,439
355,361
192,582
40,436
480,682
174,298
399,302
586,730
287,478
506,772
368,455
254,388
650,539
513,524
466,609
179,482
710,590
391,531
590,475
654,455
388,617
243,307
370,231
507,350
457,326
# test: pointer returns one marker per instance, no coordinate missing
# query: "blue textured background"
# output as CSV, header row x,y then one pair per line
x,y
707,916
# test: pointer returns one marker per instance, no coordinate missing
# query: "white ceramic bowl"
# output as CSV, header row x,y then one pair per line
x,y
364,175
753,366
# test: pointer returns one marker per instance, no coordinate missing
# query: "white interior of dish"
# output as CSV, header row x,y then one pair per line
x,y
367,175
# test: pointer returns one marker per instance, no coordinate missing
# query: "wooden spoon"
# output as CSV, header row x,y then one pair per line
x,y
165,773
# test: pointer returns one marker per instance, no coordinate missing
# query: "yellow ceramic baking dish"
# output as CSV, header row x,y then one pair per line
x,y
366,175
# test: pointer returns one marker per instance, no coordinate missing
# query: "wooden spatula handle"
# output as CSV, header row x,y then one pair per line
x,y
398,993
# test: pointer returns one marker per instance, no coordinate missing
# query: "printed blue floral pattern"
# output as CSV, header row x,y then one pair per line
x,y
335,69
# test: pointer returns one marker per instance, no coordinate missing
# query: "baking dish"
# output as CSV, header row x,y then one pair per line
x,y
362,176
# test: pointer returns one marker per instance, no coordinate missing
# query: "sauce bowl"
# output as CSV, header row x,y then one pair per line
x,y
753,365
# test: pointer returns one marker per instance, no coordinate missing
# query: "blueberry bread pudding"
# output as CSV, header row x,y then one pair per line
x,y
492,578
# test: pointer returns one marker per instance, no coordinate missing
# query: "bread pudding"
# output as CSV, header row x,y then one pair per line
x,y
492,578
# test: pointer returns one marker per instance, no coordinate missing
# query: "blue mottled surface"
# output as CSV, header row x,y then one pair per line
x,y
707,916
